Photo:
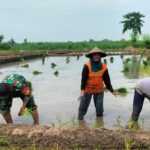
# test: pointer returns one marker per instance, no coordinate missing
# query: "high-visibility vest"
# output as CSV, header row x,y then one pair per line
x,y
94,83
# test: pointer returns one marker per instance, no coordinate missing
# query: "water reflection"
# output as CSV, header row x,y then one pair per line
x,y
132,67
99,123
136,66
83,124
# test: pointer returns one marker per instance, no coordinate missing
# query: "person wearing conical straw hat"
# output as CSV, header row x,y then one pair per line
x,y
94,73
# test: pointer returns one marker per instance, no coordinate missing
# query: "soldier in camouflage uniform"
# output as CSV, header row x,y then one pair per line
x,y
16,86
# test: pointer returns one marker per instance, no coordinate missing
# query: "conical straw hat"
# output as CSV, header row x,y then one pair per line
x,y
96,50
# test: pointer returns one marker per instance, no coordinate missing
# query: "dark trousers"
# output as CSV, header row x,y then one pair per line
x,y
85,101
137,105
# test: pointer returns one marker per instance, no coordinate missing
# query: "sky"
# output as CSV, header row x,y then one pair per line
x,y
68,20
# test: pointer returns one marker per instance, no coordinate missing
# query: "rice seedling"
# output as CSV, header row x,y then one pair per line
x,y
4,141
52,124
142,125
53,65
77,147
27,112
97,148
126,65
59,120
36,72
128,143
22,60
121,90
132,125
25,66
95,125
72,122
43,59
105,61
33,146
145,70
55,147
111,59
67,60
78,57
121,56
56,73
127,60
119,122
125,68
145,62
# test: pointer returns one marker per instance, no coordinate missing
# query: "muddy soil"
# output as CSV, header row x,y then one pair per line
x,y
72,138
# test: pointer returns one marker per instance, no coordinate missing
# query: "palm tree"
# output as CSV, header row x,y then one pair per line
x,y
133,22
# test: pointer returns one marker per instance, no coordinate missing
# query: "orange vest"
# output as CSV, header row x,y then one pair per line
x,y
94,83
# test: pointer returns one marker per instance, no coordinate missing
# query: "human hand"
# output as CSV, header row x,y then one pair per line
x,y
81,95
21,112
115,93
79,98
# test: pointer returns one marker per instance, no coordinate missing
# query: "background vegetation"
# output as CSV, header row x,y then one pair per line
x,y
106,45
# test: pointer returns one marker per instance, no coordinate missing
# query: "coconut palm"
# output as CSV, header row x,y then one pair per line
x,y
133,22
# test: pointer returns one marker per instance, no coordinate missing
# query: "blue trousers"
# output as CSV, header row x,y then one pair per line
x,y
85,101
137,105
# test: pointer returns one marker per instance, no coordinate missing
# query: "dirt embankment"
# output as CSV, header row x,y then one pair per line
x,y
6,57
11,56
73,138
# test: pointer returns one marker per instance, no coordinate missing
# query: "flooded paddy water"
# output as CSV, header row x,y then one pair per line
x,y
57,88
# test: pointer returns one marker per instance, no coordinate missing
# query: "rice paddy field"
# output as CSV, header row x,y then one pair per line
x,y
56,88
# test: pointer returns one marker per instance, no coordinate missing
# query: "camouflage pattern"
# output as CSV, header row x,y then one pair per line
x,y
18,81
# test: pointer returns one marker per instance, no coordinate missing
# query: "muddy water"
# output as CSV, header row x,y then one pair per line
x,y
56,96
